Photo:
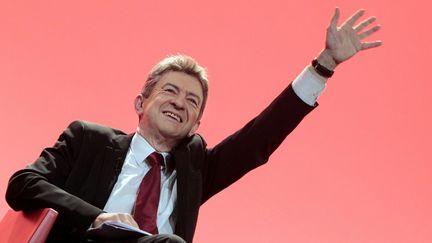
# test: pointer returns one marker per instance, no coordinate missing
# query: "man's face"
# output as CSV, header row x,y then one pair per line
x,y
173,107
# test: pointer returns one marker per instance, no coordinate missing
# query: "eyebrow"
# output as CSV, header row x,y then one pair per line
x,y
187,92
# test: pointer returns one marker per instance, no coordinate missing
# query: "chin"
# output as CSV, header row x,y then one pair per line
x,y
171,134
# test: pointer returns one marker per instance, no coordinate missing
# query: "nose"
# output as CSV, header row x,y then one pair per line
x,y
178,102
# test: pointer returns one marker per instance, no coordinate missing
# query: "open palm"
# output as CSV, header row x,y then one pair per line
x,y
345,41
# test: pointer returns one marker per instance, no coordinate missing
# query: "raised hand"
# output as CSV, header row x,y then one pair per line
x,y
345,41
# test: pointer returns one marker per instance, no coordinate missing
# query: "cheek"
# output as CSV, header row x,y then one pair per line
x,y
193,115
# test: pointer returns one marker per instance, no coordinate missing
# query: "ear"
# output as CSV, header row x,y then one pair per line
x,y
138,104
194,128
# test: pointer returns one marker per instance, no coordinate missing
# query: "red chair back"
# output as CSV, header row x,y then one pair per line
x,y
23,227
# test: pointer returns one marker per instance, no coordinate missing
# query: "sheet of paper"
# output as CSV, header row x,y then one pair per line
x,y
115,230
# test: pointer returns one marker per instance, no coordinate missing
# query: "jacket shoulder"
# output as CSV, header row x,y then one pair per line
x,y
90,127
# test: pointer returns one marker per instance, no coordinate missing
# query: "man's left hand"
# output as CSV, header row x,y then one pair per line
x,y
345,41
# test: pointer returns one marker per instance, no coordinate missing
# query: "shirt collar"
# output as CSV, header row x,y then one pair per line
x,y
142,149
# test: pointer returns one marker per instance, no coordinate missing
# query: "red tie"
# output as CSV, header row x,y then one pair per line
x,y
147,201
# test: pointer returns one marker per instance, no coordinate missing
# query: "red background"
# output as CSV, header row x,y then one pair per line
x,y
358,169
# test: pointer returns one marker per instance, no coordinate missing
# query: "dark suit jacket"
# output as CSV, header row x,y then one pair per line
x,y
77,174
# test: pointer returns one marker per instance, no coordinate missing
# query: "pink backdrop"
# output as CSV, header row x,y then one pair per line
x,y
358,169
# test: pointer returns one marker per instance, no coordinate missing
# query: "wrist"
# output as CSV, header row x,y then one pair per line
x,y
326,60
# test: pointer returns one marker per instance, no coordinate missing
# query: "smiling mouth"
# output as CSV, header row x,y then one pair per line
x,y
173,116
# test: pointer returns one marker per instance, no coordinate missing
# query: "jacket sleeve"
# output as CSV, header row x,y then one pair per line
x,y
40,184
252,145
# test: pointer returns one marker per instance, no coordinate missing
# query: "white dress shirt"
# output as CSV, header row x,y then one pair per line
x,y
123,195
308,86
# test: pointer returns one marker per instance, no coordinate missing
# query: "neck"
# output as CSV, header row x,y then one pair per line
x,y
159,143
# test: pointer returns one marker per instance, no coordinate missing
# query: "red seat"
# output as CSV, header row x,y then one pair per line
x,y
20,227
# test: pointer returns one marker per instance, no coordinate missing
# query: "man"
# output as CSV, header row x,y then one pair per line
x,y
95,174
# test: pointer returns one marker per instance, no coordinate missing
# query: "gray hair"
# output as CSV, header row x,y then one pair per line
x,y
178,63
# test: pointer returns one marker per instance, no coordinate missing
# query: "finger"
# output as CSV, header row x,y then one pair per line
x,y
122,217
369,32
133,223
350,22
130,220
363,24
372,44
127,219
334,20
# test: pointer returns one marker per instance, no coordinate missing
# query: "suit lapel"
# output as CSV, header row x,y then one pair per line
x,y
181,159
114,157
189,180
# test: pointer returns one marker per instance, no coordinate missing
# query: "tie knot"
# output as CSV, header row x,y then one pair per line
x,y
155,159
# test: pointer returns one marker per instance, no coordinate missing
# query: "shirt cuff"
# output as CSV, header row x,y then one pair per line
x,y
308,87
